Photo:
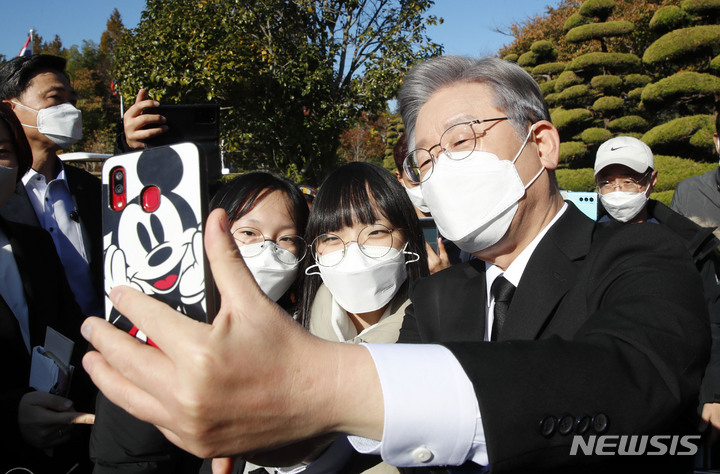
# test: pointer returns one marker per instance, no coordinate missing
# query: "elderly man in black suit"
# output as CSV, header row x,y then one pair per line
x,y
604,334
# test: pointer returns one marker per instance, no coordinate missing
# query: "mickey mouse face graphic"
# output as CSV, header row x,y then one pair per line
x,y
158,249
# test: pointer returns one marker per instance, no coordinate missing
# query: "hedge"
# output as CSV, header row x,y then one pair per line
x,y
664,197
574,20
685,136
548,68
669,18
572,151
637,80
701,7
512,57
543,48
547,87
528,59
581,179
673,169
680,45
575,93
635,94
715,63
607,83
569,118
684,84
608,105
595,136
553,99
610,61
628,123
596,31
597,8
567,79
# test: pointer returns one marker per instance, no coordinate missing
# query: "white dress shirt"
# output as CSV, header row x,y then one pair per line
x,y
432,416
57,212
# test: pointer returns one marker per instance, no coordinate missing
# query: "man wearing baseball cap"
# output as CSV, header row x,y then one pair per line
x,y
625,176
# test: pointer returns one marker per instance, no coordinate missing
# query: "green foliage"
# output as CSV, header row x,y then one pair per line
x,y
608,105
605,61
702,7
543,48
635,94
547,87
637,80
290,76
607,83
715,63
684,136
528,59
595,136
597,8
581,179
596,31
684,45
548,68
513,58
628,123
567,119
683,86
668,18
673,169
575,20
553,99
571,152
664,197
576,94
567,79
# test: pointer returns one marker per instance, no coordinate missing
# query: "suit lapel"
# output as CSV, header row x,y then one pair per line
x,y
548,276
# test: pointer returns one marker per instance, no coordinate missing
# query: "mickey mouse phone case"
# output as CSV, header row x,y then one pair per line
x,y
154,210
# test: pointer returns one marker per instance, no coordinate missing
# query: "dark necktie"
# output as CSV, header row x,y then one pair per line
x,y
502,290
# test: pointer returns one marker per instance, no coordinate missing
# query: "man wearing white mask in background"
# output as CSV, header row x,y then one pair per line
x,y
625,177
63,200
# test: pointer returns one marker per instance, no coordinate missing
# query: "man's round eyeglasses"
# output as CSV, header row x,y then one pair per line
x,y
625,184
288,249
374,240
457,143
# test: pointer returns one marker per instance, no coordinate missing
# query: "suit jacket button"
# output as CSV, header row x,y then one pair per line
x,y
422,454
547,426
565,424
600,422
582,424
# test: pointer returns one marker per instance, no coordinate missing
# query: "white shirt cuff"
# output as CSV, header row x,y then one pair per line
x,y
432,415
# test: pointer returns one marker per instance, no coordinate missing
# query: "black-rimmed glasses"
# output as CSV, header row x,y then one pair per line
x,y
457,143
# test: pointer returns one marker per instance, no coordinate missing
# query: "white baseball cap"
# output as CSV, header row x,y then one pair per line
x,y
627,151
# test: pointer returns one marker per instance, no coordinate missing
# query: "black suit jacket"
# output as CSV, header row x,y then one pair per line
x,y
86,192
50,303
605,326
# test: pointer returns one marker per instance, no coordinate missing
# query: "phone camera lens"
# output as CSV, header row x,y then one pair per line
x,y
119,176
119,188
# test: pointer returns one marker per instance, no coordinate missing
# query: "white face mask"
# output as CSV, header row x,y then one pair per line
x,y
624,206
60,123
271,273
416,197
475,199
8,178
361,284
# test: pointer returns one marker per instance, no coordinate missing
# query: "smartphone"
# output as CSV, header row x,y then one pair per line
x,y
154,208
430,231
586,201
197,123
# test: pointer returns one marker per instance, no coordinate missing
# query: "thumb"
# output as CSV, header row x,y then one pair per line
x,y
222,465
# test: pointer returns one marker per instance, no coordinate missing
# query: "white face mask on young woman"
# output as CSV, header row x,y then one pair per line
x,y
624,206
60,123
474,200
8,178
271,273
361,284
416,197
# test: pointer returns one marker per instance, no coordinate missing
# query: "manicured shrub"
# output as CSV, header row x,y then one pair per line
x,y
528,59
673,169
701,7
608,105
553,99
565,119
637,80
575,93
609,61
687,137
607,83
628,123
543,48
596,31
595,136
567,79
575,20
512,57
679,46
635,94
571,152
548,68
669,18
683,85
581,179
597,8
547,87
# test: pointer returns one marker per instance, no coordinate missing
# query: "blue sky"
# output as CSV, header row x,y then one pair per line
x,y
468,27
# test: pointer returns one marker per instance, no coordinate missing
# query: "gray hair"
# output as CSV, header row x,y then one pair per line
x,y
516,92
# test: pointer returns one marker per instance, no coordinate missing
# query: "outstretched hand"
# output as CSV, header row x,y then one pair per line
x,y
251,380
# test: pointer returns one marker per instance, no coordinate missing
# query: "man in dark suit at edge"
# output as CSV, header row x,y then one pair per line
x,y
606,333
